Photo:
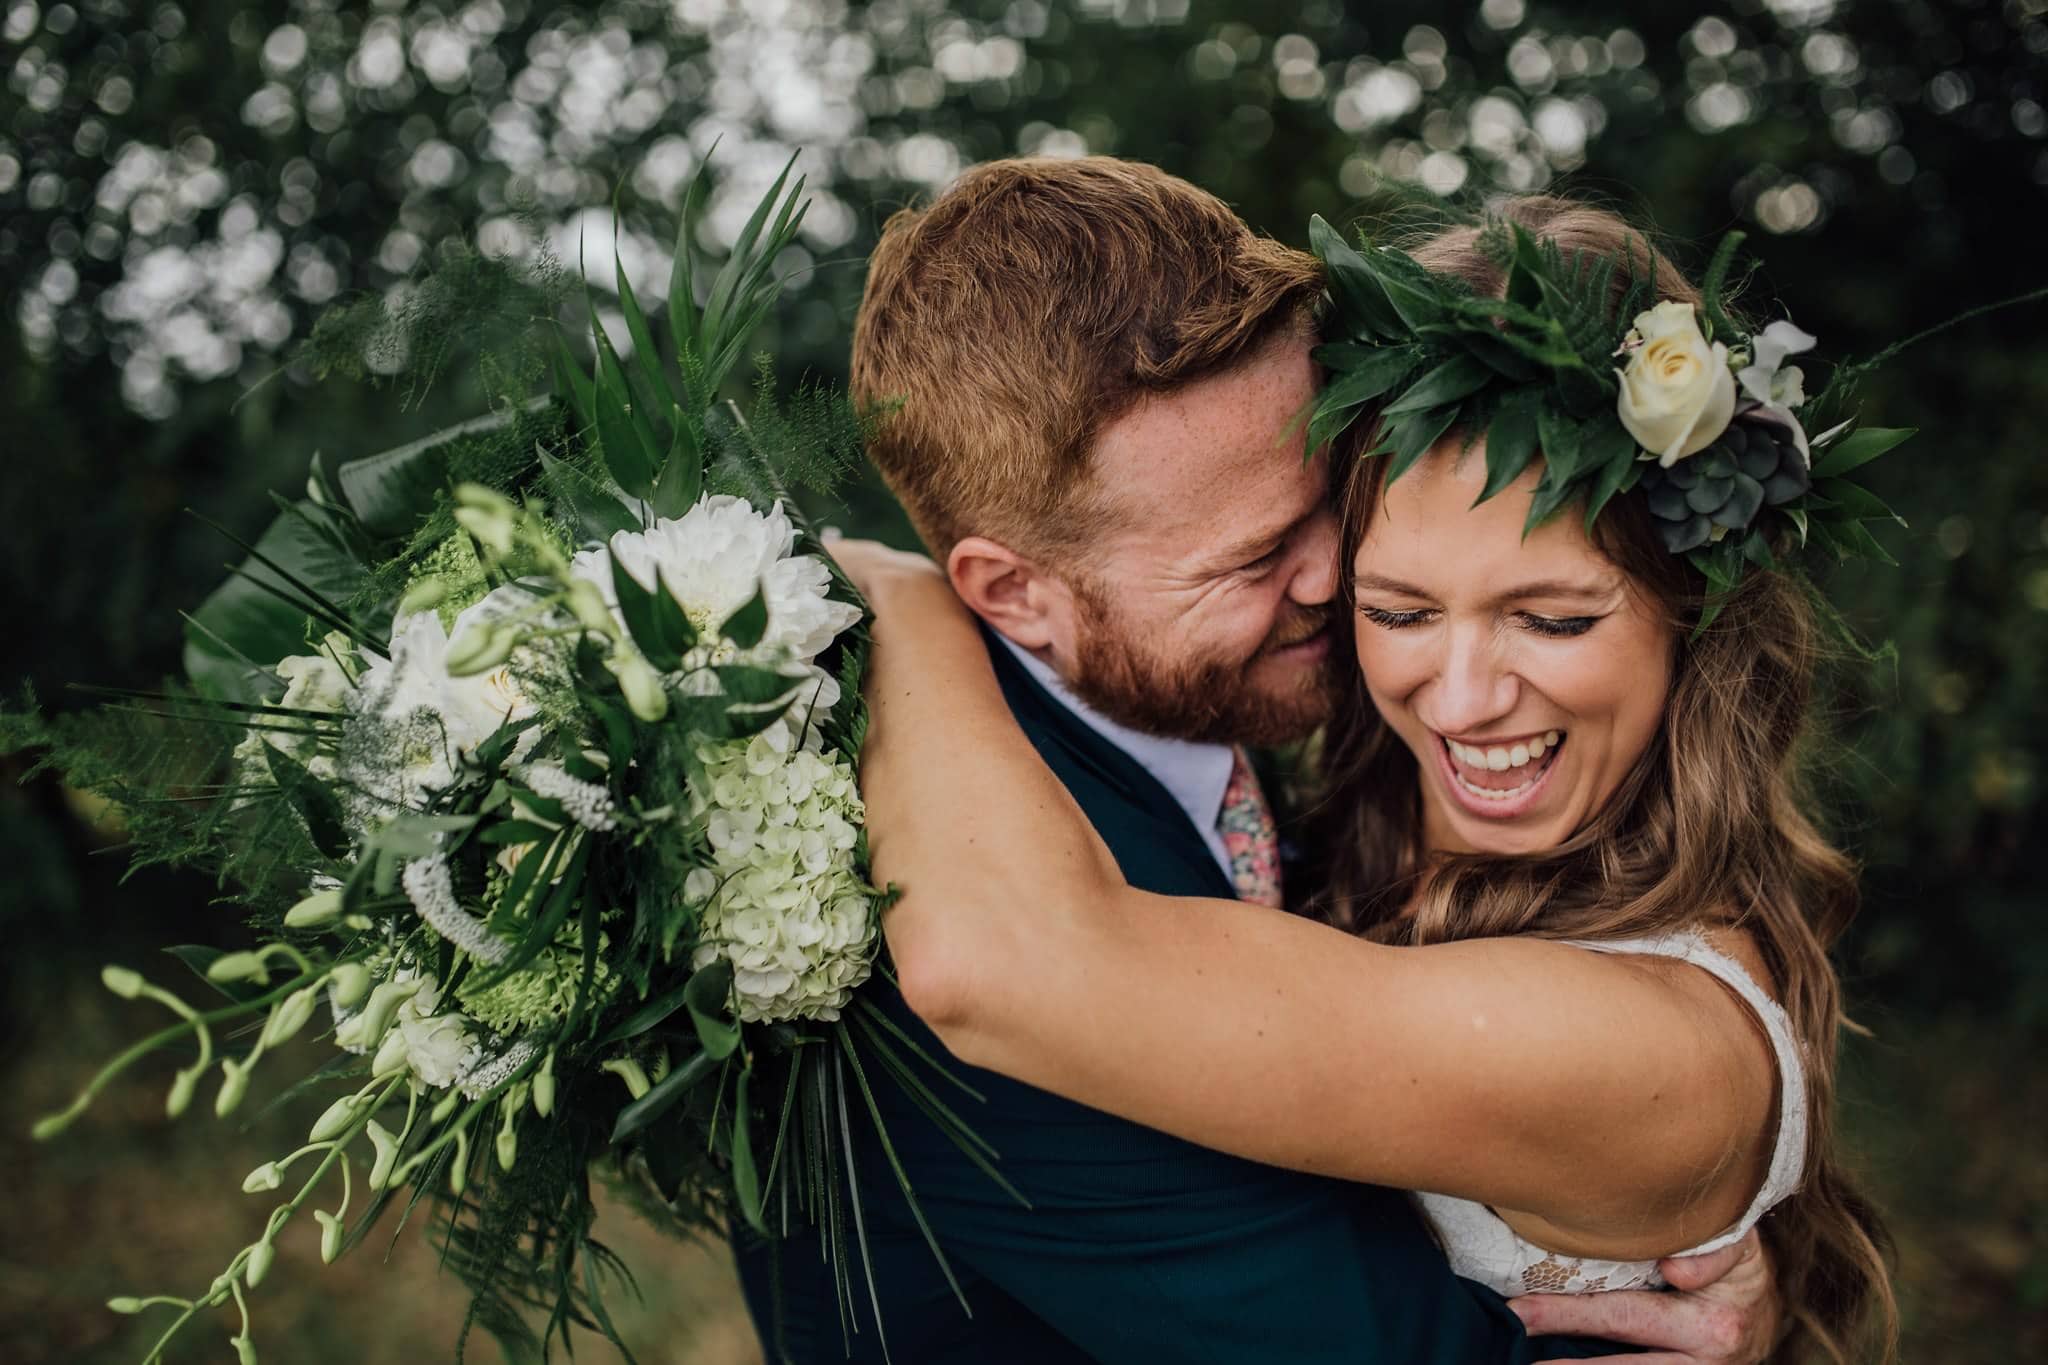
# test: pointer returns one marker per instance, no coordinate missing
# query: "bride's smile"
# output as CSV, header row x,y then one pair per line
x,y
1520,670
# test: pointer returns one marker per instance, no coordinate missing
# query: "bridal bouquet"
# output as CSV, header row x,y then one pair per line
x,y
526,749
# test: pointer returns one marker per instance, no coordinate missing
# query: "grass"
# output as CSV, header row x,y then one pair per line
x,y
1946,1119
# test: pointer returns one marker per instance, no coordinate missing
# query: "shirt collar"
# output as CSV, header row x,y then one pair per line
x,y
1196,775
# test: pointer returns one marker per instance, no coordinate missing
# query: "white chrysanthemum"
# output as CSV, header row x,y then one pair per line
x,y
444,717
781,899
713,558
439,1048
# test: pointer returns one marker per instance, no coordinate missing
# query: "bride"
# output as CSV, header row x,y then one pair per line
x,y
1558,821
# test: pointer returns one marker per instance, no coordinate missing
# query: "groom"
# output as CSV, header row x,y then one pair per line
x,y
1096,369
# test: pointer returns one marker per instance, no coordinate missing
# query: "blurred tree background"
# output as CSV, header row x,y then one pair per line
x,y
184,187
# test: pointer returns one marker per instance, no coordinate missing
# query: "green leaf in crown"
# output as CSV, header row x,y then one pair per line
x,y
1617,392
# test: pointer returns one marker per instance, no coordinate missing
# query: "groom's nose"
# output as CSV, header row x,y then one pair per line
x,y
1315,582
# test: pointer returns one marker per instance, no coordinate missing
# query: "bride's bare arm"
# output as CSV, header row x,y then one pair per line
x,y
1607,1106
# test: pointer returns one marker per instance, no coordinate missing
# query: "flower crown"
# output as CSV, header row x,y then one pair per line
x,y
1660,405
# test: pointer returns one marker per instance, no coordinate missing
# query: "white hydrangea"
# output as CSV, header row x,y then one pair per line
x,y
781,899
713,558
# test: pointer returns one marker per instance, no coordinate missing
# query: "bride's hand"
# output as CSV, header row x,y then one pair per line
x,y
876,570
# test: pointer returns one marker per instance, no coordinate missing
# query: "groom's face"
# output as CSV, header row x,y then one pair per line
x,y
1205,614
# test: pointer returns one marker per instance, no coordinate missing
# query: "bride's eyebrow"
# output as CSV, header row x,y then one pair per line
x,y
1589,593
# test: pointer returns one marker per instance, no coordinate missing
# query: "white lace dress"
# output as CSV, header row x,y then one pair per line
x,y
1481,1247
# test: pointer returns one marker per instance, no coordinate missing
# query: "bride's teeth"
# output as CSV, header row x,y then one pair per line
x,y
1536,747
1519,755
1497,759
1550,738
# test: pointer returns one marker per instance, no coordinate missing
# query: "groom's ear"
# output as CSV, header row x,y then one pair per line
x,y
1013,594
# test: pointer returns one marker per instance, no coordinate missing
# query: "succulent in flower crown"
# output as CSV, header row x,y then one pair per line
x,y
1617,392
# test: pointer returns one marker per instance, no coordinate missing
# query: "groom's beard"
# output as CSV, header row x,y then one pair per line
x,y
1211,699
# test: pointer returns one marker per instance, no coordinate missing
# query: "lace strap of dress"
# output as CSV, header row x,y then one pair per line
x,y
1788,1157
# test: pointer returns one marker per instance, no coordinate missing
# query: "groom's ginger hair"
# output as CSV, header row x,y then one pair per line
x,y
1031,304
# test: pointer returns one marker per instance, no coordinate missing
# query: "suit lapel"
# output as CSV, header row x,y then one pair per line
x,y
1067,743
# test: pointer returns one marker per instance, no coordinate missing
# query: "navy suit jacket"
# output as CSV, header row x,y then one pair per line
x,y
1139,1248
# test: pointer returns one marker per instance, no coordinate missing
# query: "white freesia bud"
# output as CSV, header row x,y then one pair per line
x,y
349,981
125,982
386,1146
125,1304
508,1147
234,1083
245,1351
336,1120
1677,394
315,911
268,1176
289,1017
261,1254
445,1106
645,696
478,648
331,1233
424,595
238,967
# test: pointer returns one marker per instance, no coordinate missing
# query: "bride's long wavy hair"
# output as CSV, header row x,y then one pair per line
x,y
1711,826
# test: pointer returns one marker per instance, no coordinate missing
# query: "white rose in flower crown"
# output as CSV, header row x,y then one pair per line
x,y
1677,394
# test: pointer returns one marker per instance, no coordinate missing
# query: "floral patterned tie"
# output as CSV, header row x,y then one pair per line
x,y
1246,823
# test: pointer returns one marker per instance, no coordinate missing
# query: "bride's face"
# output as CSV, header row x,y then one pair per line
x,y
1527,675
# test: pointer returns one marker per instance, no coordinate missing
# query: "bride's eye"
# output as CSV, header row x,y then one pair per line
x,y
1559,627
1394,620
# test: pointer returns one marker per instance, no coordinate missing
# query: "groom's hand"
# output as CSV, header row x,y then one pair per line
x,y
1725,1311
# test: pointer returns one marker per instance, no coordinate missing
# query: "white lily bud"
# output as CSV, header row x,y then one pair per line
x,y
238,967
315,911
629,1071
590,610
494,530
349,980
383,1005
261,1254
125,982
386,1146
245,1351
478,648
336,1120
289,1017
508,1147
424,595
391,1055
458,1169
234,1083
445,1106
182,1087
645,696
331,1233
544,1087
268,1176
